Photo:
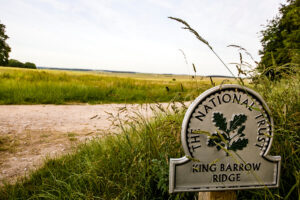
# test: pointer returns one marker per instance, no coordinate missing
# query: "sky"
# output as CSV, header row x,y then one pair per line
x,y
135,35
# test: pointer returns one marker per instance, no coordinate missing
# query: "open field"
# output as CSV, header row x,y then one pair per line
x,y
26,86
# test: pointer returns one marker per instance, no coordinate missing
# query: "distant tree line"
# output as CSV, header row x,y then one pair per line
x,y
16,63
5,50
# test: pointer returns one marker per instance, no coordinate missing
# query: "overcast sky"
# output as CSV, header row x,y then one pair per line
x,y
134,35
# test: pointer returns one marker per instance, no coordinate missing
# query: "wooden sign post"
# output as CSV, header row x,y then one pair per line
x,y
224,195
226,135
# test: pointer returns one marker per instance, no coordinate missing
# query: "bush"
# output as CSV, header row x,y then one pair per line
x,y
30,65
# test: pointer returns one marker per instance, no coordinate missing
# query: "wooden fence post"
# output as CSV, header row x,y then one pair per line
x,y
222,195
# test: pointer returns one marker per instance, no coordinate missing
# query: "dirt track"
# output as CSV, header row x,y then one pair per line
x,y
29,133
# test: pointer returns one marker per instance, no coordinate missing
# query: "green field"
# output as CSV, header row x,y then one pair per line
x,y
26,86
134,164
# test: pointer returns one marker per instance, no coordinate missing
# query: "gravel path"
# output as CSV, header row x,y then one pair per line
x,y
29,133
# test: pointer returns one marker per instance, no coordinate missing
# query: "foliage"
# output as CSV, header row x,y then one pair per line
x,y
29,65
281,41
4,48
227,137
16,63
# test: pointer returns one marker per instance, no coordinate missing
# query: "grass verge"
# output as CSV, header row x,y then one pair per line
x,y
131,165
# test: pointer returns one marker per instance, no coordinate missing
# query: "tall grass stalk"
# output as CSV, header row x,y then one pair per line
x,y
189,28
185,60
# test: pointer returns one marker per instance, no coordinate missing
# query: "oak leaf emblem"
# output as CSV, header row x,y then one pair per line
x,y
228,137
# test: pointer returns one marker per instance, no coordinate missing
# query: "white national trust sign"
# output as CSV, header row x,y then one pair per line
x,y
226,135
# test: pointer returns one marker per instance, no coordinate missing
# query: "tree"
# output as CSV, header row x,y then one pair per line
x,y
281,40
30,65
14,63
4,48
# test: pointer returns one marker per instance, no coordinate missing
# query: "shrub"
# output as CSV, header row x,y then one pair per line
x,y
30,65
